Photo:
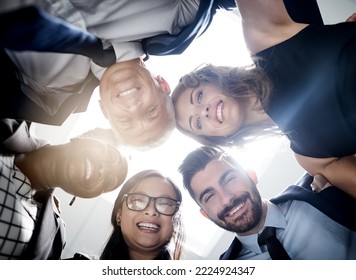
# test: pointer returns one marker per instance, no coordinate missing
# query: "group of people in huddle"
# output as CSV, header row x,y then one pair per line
x,y
300,85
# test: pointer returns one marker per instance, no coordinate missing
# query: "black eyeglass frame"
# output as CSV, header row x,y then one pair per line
x,y
176,207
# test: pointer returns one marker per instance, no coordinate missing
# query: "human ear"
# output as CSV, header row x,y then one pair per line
x,y
118,217
164,85
252,174
204,213
103,109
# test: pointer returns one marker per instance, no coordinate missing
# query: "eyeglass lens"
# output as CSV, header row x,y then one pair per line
x,y
163,205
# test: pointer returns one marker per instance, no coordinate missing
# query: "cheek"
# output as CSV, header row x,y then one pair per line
x,y
211,210
227,129
127,221
167,229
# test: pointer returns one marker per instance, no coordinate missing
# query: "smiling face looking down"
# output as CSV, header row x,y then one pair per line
x,y
136,103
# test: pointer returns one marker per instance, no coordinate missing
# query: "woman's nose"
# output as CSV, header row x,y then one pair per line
x,y
151,209
204,110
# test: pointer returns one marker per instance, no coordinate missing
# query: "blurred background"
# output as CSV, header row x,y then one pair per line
x,y
88,220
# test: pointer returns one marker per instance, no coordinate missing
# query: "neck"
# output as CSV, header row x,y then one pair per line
x,y
137,255
255,114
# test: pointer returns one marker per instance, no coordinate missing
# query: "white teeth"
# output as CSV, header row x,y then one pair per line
x,y
88,169
148,226
128,92
235,209
219,112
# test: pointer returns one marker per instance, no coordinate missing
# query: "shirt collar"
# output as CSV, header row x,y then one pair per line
x,y
274,218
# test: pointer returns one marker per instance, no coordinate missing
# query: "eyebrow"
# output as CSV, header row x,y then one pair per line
x,y
191,117
208,189
221,180
191,96
227,173
190,123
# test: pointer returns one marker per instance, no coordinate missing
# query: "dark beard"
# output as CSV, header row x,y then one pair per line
x,y
247,220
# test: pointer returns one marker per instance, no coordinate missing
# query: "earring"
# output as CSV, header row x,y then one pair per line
x,y
118,221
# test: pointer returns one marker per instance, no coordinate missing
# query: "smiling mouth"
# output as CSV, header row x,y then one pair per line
x,y
148,226
219,109
88,169
235,209
127,92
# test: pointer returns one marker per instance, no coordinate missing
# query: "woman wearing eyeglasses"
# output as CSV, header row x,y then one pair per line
x,y
146,220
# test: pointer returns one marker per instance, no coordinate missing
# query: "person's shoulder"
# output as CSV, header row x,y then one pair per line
x,y
225,4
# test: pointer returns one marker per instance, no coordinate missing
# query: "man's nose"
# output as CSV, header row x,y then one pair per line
x,y
133,105
226,198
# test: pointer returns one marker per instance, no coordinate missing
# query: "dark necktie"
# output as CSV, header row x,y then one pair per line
x,y
31,28
275,248
167,44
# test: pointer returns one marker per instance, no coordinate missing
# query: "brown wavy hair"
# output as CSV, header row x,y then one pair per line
x,y
240,83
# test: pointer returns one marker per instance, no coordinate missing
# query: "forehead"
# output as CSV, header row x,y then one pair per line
x,y
142,130
155,186
210,175
212,170
183,99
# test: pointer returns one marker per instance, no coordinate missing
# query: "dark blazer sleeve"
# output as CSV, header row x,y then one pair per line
x,y
233,251
31,28
332,201
167,44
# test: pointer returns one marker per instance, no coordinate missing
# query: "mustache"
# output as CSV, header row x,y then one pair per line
x,y
221,215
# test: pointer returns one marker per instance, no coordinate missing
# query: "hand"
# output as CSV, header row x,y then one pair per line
x,y
351,18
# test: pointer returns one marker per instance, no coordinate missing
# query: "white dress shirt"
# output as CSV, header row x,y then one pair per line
x,y
305,232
